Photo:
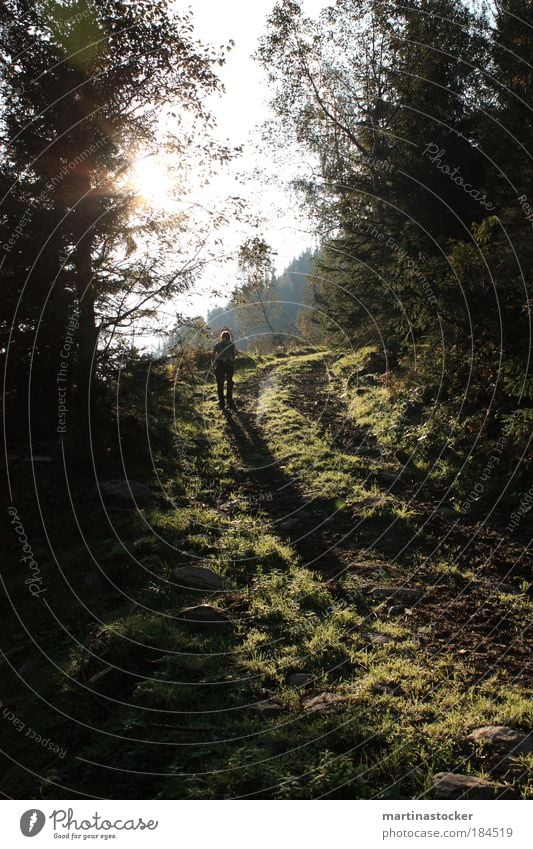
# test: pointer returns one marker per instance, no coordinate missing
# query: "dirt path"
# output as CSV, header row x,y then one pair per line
x,y
310,522
473,608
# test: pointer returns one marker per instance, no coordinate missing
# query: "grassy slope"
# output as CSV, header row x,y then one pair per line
x,y
157,708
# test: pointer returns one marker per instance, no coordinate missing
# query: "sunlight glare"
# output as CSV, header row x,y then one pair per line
x,y
151,180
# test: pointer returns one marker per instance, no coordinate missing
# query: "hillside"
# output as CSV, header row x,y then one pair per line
x,y
286,298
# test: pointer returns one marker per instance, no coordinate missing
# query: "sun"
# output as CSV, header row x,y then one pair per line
x,y
151,180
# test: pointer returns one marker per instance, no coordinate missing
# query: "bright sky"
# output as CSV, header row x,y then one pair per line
x,y
238,112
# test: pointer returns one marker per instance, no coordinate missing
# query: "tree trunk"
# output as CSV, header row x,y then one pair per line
x,y
87,340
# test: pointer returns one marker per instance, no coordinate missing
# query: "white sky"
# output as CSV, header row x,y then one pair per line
x,y
239,112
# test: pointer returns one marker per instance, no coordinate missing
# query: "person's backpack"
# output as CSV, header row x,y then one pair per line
x,y
225,352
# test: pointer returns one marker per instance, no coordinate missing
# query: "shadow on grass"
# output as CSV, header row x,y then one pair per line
x,y
308,522
314,525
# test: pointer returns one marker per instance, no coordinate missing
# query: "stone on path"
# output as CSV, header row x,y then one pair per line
x,y
378,639
126,490
153,562
94,583
300,679
381,688
453,785
269,707
289,524
504,738
198,577
323,702
406,594
204,614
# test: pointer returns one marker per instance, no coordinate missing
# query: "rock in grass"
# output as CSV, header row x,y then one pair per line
x,y
125,491
93,582
323,702
153,563
365,451
406,594
234,506
289,524
377,638
382,688
269,707
374,364
204,614
503,738
452,785
198,577
445,511
388,478
300,679
379,501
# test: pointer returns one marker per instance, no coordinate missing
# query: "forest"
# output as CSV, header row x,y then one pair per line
x,y
271,308
322,590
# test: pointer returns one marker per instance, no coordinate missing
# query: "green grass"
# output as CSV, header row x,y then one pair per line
x,y
184,722
446,441
296,442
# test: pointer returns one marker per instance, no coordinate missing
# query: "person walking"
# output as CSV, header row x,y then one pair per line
x,y
223,361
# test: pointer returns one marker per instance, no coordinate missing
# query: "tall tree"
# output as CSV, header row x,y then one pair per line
x,y
83,89
405,108
254,299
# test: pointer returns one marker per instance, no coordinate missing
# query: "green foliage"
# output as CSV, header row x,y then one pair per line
x,y
430,242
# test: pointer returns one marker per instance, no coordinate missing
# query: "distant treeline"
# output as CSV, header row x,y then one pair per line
x,y
277,313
